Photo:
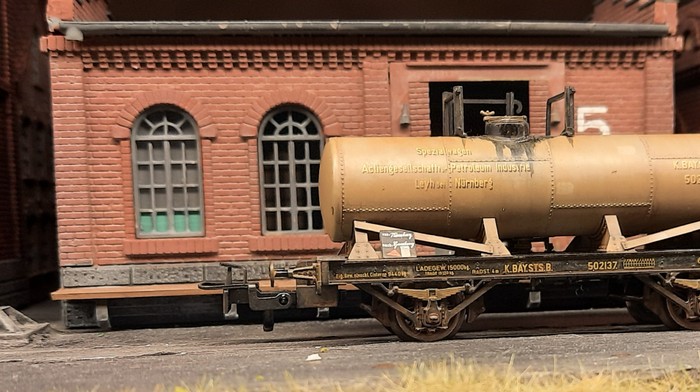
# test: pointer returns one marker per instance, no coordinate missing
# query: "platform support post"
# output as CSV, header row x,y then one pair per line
x,y
613,240
492,239
362,249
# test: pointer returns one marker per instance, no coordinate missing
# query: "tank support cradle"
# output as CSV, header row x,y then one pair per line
x,y
614,241
491,244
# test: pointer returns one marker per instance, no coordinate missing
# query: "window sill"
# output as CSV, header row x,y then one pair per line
x,y
170,246
291,242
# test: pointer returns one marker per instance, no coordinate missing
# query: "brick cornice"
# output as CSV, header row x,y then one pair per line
x,y
351,55
211,59
258,108
124,121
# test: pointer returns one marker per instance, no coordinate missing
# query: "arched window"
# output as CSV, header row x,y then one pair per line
x,y
167,173
289,153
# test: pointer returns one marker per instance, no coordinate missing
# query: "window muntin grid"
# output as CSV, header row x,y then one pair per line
x,y
167,174
289,155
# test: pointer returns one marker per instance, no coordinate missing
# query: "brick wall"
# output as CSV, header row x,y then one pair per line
x,y
376,95
352,90
615,96
355,86
658,105
93,163
540,91
419,108
71,161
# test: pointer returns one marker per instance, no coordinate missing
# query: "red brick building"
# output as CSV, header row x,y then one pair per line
x,y
28,257
182,144
687,68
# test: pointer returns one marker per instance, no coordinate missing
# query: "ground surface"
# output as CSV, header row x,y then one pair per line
x,y
350,350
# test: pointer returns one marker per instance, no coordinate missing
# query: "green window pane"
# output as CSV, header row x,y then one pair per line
x,y
146,223
195,221
162,222
179,221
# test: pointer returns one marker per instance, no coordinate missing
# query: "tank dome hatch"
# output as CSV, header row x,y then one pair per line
x,y
506,126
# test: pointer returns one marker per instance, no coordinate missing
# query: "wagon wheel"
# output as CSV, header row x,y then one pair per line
x,y
675,317
404,328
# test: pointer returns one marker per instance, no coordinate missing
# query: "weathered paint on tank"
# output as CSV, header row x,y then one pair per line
x,y
533,187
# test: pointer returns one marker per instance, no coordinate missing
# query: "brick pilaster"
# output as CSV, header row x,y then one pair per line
x,y
71,148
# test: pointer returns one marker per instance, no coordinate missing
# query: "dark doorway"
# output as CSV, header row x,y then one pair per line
x,y
473,120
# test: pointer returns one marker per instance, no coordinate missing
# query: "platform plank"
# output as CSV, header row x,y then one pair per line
x,y
137,291
160,290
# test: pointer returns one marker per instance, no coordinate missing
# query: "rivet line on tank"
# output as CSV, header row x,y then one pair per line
x,y
651,176
342,187
449,200
458,160
397,209
599,205
551,181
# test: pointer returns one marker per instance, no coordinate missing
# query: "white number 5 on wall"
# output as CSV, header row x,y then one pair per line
x,y
586,119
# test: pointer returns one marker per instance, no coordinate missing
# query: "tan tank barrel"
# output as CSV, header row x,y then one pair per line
x,y
536,187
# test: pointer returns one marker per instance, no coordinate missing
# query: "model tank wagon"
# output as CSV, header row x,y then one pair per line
x,y
629,202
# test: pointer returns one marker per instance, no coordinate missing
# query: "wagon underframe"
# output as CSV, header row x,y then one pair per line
x,y
429,298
